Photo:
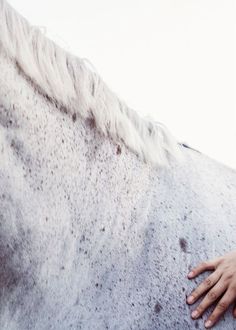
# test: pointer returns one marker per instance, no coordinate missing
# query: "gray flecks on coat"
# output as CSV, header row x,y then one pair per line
x,y
93,238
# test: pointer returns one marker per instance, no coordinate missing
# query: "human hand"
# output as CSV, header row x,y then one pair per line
x,y
221,282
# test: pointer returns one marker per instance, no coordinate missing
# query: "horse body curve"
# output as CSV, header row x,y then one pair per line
x,y
92,237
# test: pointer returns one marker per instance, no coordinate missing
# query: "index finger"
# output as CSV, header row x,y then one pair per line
x,y
203,266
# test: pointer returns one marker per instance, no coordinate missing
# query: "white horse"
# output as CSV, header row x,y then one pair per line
x,y
102,213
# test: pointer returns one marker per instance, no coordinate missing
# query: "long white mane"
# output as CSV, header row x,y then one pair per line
x,y
69,82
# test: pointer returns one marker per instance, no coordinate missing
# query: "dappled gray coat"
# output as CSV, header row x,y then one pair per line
x,y
102,213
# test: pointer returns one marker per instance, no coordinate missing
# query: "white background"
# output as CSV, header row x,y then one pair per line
x,y
171,59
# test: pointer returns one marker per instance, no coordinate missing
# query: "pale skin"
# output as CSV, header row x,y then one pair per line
x,y
220,284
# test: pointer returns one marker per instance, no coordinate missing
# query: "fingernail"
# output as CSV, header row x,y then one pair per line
x,y
194,314
190,299
208,323
190,274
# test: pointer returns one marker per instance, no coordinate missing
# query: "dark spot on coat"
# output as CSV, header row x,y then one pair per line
x,y
82,239
63,109
118,150
196,325
16,146
77,301
157,307
74,117
183,244
90,122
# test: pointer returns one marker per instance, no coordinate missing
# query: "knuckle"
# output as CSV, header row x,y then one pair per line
x,y
222,305
200,309
207,282
212,295
213,317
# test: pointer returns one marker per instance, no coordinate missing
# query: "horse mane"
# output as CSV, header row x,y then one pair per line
x,y
68,81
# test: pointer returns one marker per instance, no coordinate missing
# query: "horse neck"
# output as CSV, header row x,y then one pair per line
x,y
48,140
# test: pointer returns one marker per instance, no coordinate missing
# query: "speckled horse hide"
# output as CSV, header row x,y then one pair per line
x,y
91,236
